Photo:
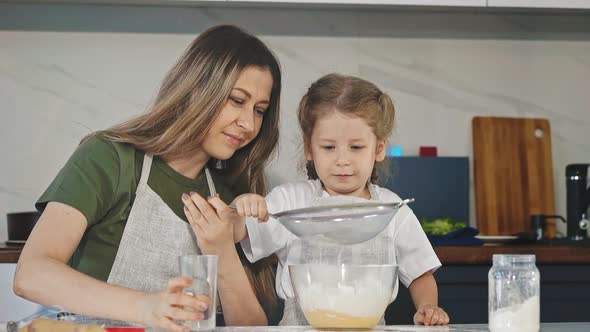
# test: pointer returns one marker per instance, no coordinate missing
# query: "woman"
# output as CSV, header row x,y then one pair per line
x,y
113,225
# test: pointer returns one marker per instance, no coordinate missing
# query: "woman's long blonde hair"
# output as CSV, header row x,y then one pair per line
x,y
191,97
352,96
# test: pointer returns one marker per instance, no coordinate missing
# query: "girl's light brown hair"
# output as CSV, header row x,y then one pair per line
x,y
351,96
191,97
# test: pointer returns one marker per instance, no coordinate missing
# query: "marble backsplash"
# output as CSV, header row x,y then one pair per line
x,y
68,69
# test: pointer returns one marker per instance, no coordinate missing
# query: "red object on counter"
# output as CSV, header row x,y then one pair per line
x,y
125,329
428,151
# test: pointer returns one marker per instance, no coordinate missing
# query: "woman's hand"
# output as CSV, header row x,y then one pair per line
x,y
431,315
251,205
211,222
163,309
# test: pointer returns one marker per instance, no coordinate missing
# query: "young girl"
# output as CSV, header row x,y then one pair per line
x,y
346,122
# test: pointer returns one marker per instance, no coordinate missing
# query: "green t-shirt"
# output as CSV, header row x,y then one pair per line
x,y
100,180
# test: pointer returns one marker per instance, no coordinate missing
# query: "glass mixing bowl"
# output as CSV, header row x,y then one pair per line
x,y
343,296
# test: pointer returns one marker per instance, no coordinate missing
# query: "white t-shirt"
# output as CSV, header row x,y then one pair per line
x,y
402,242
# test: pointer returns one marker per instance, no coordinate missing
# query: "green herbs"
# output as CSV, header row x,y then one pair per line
x,y
441,226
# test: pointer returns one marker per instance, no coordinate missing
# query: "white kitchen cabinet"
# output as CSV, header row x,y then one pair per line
x,y
187,3
492,4
453,3
554,4
298,3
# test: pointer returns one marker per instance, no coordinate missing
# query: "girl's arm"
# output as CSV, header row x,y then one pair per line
x,y
43,276
209,221
424,293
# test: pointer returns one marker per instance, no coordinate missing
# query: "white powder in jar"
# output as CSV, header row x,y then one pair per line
x,y
524,317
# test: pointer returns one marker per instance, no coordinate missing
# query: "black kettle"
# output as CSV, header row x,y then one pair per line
x,y
578,201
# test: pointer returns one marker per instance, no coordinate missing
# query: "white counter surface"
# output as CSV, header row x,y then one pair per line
x,y
545,327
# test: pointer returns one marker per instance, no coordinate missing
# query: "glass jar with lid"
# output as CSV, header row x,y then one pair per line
x,y
514,284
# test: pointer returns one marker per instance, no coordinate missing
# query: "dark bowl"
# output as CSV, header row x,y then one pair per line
x,y
20,224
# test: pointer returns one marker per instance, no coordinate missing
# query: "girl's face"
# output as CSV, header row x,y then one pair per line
x,y
241,117
344,150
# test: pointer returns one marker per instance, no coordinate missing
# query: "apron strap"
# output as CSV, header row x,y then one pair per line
x,y
145,169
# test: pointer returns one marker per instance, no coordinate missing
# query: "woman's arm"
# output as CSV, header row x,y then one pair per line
x,y
424,293
215,237
239,303
43,276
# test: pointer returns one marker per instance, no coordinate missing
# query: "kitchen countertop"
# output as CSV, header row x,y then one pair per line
x,y
9,254
545,327
546,254
451,255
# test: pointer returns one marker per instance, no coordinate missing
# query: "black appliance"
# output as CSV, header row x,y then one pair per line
x,y
578,201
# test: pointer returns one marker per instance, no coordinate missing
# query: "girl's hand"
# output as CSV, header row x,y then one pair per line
x,y
251,205
211,223
431,315
163,309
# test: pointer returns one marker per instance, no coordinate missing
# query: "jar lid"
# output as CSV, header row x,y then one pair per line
x,y
513,259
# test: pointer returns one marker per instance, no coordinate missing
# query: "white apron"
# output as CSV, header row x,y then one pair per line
x,y
153,239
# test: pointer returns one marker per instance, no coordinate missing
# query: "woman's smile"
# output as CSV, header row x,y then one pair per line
x,y
234,140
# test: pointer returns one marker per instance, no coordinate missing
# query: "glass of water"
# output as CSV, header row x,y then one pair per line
x,y
203,270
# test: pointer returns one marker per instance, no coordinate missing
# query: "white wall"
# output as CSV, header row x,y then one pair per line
x,y
12,307
67,69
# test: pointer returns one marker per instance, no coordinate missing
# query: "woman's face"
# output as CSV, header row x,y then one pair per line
x,y
241,117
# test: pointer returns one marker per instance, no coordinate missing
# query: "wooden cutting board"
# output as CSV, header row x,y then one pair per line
x,y
513,172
